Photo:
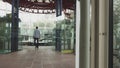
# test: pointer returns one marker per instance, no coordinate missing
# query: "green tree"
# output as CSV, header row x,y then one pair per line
x,y
116,16
4,32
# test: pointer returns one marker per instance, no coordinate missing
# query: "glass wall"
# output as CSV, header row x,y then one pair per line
x,y
28,23
5,27
65,34
116,33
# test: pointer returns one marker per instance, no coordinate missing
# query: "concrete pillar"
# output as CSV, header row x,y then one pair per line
x,y
103,33
85,34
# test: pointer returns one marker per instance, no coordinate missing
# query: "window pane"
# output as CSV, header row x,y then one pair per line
x,y
116,33
5,27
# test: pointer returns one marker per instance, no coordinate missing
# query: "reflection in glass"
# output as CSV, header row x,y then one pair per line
x,y
66,29
5,27
116,33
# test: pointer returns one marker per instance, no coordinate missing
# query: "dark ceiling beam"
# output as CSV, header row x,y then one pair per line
x,y
36,5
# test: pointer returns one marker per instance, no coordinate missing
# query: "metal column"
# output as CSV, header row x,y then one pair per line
x,y
58,7
94,34
58,40
110,34
77,38
85,34
103,33
14,28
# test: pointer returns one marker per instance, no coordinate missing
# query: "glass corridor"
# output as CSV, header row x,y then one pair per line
x,y
55,31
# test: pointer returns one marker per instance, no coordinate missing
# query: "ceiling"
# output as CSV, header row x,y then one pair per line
x,y
43,6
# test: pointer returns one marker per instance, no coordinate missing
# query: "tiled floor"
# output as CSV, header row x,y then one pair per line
x,y
44,57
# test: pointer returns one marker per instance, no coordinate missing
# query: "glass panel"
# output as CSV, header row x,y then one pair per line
x,y
28,23
19,38
66,28
5,27
116,33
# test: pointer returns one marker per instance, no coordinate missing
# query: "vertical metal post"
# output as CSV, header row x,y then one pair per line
x,y
74,47
58,7
96,33
110,65
14,28
58,40
103,33
77,38
85,34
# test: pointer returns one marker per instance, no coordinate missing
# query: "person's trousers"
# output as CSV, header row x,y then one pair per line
x,y
36,41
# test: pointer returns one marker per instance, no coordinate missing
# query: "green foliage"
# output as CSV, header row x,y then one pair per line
x,y
6,19
3,34
116,15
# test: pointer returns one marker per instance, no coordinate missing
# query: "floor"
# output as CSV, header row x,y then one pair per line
x,y
44,57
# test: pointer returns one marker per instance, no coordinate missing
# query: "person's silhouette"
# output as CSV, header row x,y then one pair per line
x,y
36,37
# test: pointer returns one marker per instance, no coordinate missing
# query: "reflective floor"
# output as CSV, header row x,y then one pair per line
x,y
44,57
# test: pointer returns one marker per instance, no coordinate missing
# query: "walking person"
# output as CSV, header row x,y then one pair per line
x,y
36,37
